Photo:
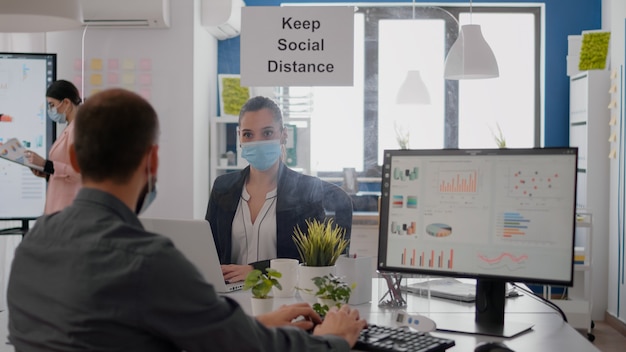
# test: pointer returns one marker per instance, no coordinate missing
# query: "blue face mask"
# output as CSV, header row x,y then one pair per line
x,y
147,196
56,116
261,155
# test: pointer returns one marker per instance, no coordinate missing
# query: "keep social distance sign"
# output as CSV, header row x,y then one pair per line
x,y
297,46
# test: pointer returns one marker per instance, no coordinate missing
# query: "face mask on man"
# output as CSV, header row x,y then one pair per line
x,y
261,155
148,193
56,116
147,196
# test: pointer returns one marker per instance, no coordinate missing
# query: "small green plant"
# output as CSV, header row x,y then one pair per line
x,y
262,283
499,138
402,136
321,244
331,288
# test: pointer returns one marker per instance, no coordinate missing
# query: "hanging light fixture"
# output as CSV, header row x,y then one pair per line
x,y
470,57
413,90
39,16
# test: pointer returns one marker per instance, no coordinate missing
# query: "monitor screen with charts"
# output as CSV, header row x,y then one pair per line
x,y
495,215
24,79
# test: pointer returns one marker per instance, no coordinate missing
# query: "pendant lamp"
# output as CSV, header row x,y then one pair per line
x,y
27,16
470,57
413,90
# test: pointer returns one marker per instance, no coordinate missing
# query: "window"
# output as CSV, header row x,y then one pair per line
x,y
351,126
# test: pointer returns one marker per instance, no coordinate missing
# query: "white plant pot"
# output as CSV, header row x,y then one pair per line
x,y
328,302
306,274
262,305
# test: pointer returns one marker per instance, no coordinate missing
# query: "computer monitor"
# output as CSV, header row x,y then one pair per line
x,y
24,79
495,215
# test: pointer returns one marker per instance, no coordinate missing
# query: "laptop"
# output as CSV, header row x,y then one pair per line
x,y
450,288
195,240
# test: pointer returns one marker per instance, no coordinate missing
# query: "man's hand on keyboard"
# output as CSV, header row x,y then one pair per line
x,y
344,322
298,314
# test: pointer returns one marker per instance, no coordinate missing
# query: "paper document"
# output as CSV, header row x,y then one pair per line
x,y
13,150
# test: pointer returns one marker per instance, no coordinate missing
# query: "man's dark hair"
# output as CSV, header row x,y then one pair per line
x,y
63,89
257,103
114,130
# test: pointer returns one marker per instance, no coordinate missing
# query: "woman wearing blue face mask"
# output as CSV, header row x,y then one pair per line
x,y
63,181
253,212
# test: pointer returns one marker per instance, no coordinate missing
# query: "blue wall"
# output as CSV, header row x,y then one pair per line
x,y
563,18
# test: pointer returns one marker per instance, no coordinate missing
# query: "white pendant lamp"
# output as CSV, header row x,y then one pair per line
x,y
413,90
470,57
27,16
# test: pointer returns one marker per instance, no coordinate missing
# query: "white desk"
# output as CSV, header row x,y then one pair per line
x,y
549,333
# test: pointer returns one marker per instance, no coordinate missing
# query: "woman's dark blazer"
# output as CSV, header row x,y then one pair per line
x,y
299,197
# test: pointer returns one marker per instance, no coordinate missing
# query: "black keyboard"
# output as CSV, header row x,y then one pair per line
x,y
383,338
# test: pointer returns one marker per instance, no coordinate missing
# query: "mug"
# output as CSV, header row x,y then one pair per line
x,y
289,270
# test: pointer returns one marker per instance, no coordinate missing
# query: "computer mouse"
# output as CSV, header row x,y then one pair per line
x,y
492,346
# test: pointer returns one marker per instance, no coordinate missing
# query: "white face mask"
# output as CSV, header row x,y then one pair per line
x,y
56,116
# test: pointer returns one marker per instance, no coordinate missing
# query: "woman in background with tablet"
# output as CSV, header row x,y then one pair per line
x,y
63,181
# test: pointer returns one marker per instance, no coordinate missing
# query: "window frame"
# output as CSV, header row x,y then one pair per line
x,y
450,15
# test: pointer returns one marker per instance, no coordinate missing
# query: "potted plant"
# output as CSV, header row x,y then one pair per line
x,y
331,291
319,247
261,283
499,138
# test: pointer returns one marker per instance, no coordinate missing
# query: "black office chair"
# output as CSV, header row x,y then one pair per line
x,y
338,205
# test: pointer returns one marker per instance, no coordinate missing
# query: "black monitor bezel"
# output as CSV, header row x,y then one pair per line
x,y
385,201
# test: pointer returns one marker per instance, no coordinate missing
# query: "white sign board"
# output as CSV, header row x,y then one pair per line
x,y
297,46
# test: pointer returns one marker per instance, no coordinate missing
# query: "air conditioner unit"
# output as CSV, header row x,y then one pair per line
x,y
222,18
126,13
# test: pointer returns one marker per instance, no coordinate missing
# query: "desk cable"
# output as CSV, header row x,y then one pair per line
x,y
542,299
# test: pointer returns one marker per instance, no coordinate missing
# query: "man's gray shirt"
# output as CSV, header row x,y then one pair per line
x,y
90,278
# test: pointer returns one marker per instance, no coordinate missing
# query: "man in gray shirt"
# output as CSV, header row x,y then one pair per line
x,y
90,278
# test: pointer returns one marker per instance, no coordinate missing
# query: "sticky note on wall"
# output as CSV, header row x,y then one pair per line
x,y
128,78
78,64
145,64
96,79
128,64
113,78
145,79
113,64
96,64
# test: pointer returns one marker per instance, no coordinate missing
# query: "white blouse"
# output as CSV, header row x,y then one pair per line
x,y
254,242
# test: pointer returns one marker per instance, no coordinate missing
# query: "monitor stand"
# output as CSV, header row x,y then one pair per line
x,y
489,314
